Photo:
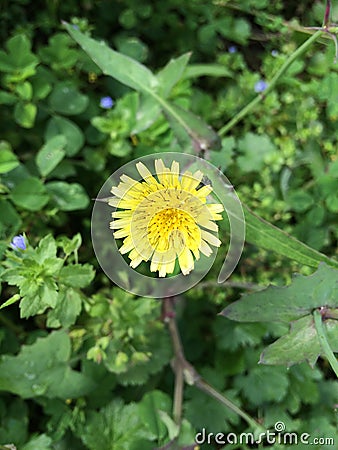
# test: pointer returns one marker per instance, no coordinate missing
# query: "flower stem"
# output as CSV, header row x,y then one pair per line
x,y
184,371
271,84
324,343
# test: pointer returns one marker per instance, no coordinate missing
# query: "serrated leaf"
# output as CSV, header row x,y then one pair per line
x,y
68,307
51,154
263,234
77,275
42,369
300,344
283,304
263,384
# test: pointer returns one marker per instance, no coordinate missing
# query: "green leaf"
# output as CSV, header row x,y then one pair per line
x,y
149,407
42,369
263,384
8,161
135,75
299,201
283,304
115,426
66,99
68,196
44,297
265,235
121,67
210,70
10,301
30,194
77,275
10,221
73,134
19,57
68,307
46,249
187,125
24,114
51,154
172,73
300,344
42,442
255,149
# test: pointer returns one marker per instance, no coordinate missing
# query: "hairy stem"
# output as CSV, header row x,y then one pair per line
x,y
324,343
272,83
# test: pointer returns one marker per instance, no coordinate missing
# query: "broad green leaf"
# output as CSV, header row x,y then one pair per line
x,y
149,407
172,73
7,98
147,113
24,114
8,160
119,66
44,297
51,154
283,304
42,369
30,194
68,196
77,275
300,344
46,249
73,134
135,75
66,99
265,235
210,70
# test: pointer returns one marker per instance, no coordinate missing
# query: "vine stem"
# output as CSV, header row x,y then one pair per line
x,y
184,371
271,84
324,343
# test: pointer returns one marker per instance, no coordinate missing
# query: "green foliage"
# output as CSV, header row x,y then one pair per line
x,y
84,364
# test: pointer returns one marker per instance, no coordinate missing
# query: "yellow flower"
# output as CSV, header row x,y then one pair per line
x,y
166,218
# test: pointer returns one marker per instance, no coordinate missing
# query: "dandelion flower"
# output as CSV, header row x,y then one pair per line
x,y
166,218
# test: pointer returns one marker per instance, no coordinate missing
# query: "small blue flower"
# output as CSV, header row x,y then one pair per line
x,y
232,49
106,102
274,53
18,242
260,86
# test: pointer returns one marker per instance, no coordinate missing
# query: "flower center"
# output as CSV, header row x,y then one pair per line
x,y
172,227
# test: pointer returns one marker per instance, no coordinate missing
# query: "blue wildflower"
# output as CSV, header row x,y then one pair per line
x,y
106,102
274,53
232,49
18,242
260,86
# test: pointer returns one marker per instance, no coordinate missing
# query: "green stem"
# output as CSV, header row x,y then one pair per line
x,y
250,106
324,343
